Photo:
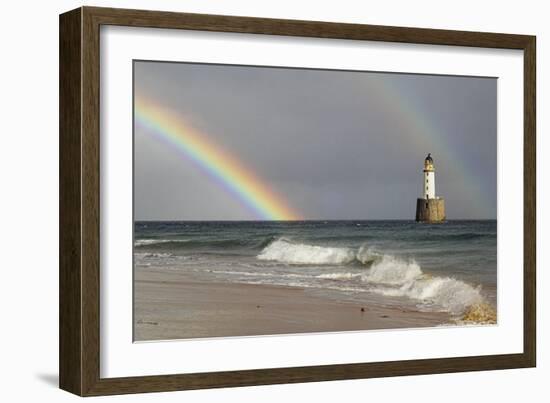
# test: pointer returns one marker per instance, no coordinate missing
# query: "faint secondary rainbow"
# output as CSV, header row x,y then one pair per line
x,y
425,137
229,173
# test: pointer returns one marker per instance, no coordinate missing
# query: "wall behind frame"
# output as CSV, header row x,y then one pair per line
x,y
29,201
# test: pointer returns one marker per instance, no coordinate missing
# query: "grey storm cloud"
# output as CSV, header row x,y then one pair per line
x,y
332,144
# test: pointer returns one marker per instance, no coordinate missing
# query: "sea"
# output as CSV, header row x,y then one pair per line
x,y
446,267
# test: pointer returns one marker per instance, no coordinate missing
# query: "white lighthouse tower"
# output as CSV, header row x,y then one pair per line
x,y
429,208
428,190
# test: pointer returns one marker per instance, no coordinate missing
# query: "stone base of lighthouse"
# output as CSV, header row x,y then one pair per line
x,y
430,210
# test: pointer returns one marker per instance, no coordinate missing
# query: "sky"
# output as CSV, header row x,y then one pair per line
x,y
329,144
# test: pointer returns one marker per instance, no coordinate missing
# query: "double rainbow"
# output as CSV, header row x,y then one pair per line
x,y
228,172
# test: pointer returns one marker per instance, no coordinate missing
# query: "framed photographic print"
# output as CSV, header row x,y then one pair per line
x,y
249,201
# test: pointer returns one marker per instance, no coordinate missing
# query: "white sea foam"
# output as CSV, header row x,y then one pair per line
x,y
392,271
141,242
387,275
339,276
395,277
152,255
367,255
283,250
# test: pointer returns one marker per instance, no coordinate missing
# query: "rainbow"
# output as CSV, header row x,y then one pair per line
x,y
230,174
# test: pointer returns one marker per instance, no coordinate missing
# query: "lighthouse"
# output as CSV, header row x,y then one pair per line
x,y
429,207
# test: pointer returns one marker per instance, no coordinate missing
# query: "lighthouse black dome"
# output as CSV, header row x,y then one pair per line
x,y
429,157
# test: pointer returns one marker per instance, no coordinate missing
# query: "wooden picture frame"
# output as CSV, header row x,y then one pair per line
x,y
79,280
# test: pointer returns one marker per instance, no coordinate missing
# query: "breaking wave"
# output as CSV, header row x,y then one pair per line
x,y
385,275
398,278
285,251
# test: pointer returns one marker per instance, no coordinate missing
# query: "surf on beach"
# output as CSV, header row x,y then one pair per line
x,y
391,274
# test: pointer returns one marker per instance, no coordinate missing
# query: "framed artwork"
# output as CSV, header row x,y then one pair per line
x,y
249,201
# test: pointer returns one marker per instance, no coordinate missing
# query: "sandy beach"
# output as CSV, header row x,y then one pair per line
x,y
174,305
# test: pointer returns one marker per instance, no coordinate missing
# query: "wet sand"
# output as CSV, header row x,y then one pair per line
x,y
172,305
